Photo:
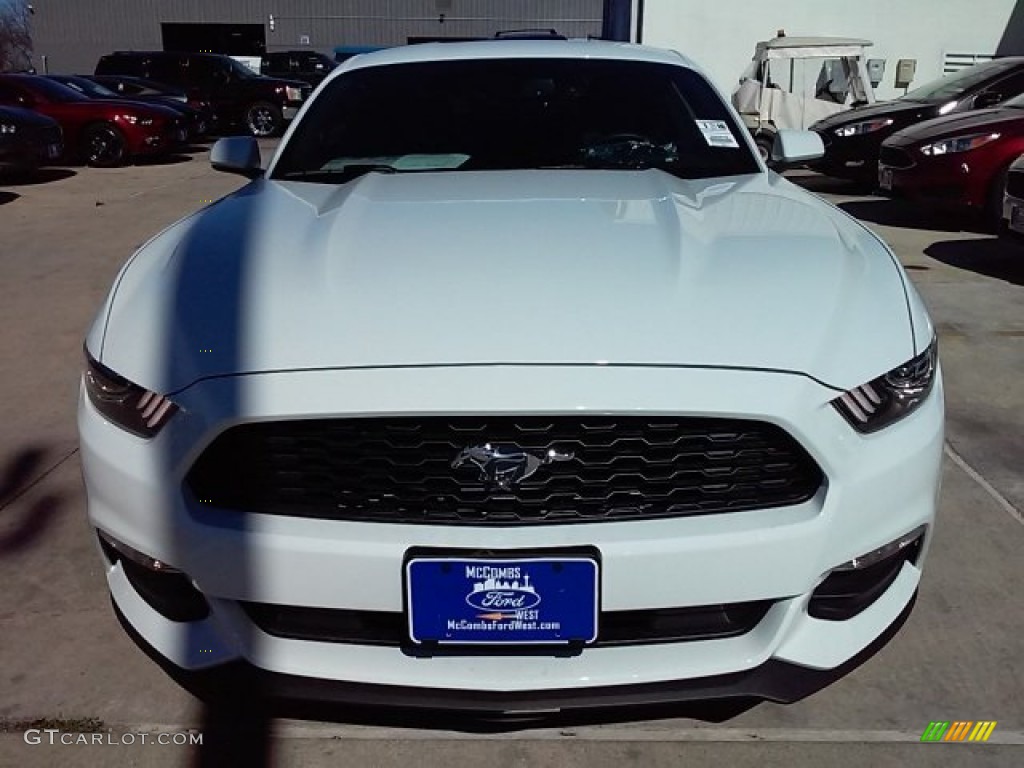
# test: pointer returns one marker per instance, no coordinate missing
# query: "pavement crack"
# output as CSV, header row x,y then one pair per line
x,y
986,486
42,476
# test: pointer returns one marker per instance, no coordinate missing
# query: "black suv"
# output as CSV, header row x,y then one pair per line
x,y
309,66
237,95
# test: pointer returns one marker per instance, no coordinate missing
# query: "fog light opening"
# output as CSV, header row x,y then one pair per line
x,y
853,586
883,553
115,550
166,590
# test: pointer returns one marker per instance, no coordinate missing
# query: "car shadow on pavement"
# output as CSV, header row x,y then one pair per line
x,y
172,159
829,185
20,529
998,257
40,176
8,197
909,215
240,730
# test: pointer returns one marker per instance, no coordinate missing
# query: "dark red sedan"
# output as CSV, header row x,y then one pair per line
x,y
102,133
960,161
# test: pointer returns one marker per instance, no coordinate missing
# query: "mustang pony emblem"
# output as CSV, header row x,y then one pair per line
x,y
506,465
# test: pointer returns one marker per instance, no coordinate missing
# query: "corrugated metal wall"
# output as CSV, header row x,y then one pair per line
x,y
73,35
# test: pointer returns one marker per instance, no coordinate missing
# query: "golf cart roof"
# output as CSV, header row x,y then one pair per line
x,y
810,47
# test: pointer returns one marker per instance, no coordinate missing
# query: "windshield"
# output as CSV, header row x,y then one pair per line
x,y
52,91
240,70
516,114
952,87
88,87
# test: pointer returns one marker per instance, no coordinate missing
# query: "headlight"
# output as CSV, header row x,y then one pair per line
x,y
8,128
293,94
877,404
136,120
958,144
868,126
127,405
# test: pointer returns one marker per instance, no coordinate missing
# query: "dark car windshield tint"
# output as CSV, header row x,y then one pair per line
x,y
240,70
52,91
952,87
516,114
88,87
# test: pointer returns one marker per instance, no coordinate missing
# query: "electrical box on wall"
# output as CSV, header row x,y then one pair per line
x,y
876,71
905,69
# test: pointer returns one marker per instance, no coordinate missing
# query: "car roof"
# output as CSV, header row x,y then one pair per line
x,y
518,49
165,53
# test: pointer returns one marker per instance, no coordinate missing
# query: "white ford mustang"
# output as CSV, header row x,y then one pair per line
x,y
516,383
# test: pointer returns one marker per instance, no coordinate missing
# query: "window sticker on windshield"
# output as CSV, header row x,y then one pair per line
x,y
717,133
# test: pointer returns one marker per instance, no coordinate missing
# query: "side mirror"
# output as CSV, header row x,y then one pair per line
x,y
793,147
237,154
987,99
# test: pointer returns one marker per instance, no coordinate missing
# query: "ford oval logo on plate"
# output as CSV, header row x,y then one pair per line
x,y
497,595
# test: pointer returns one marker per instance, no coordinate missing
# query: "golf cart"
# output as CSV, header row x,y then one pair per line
x,y
793,82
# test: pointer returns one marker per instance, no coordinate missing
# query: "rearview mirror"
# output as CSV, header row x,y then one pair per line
x,y
987,99
237,154
793,147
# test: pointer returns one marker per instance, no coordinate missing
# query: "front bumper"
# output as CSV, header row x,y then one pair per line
x,y
878,488
854,158
776,681
949,182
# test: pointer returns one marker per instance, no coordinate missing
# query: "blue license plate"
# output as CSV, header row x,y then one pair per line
x,y
518,601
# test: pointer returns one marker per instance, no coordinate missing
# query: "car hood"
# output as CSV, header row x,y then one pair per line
x,y
957,125
25,117
907,110
519,267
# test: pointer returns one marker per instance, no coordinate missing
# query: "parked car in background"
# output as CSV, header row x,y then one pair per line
x,y
854,138
515,383
27,140
1013,199
959,160
308,66
141,89
239,97
193,119
104,133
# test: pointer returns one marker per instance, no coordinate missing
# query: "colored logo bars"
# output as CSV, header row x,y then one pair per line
x,y
959,730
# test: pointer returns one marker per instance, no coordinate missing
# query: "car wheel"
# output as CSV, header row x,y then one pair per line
x,y
764,144
104,146
263,119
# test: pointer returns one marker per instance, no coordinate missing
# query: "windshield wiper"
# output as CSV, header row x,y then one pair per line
x,y
338,175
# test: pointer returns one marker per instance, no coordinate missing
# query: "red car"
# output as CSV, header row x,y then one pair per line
x,y
960,160
102,133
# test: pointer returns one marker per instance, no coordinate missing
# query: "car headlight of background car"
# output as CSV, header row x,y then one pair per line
x,y
958,144
293,94
8,128
129,406
882,401
136,120
868,126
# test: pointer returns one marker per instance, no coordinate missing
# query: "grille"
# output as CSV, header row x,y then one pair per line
x,y
1015,184
662,625
400,470
895,158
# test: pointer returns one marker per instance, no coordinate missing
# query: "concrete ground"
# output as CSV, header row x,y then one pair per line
x,y
66,663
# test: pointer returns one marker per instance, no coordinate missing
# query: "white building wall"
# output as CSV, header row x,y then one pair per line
x,y
720,34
